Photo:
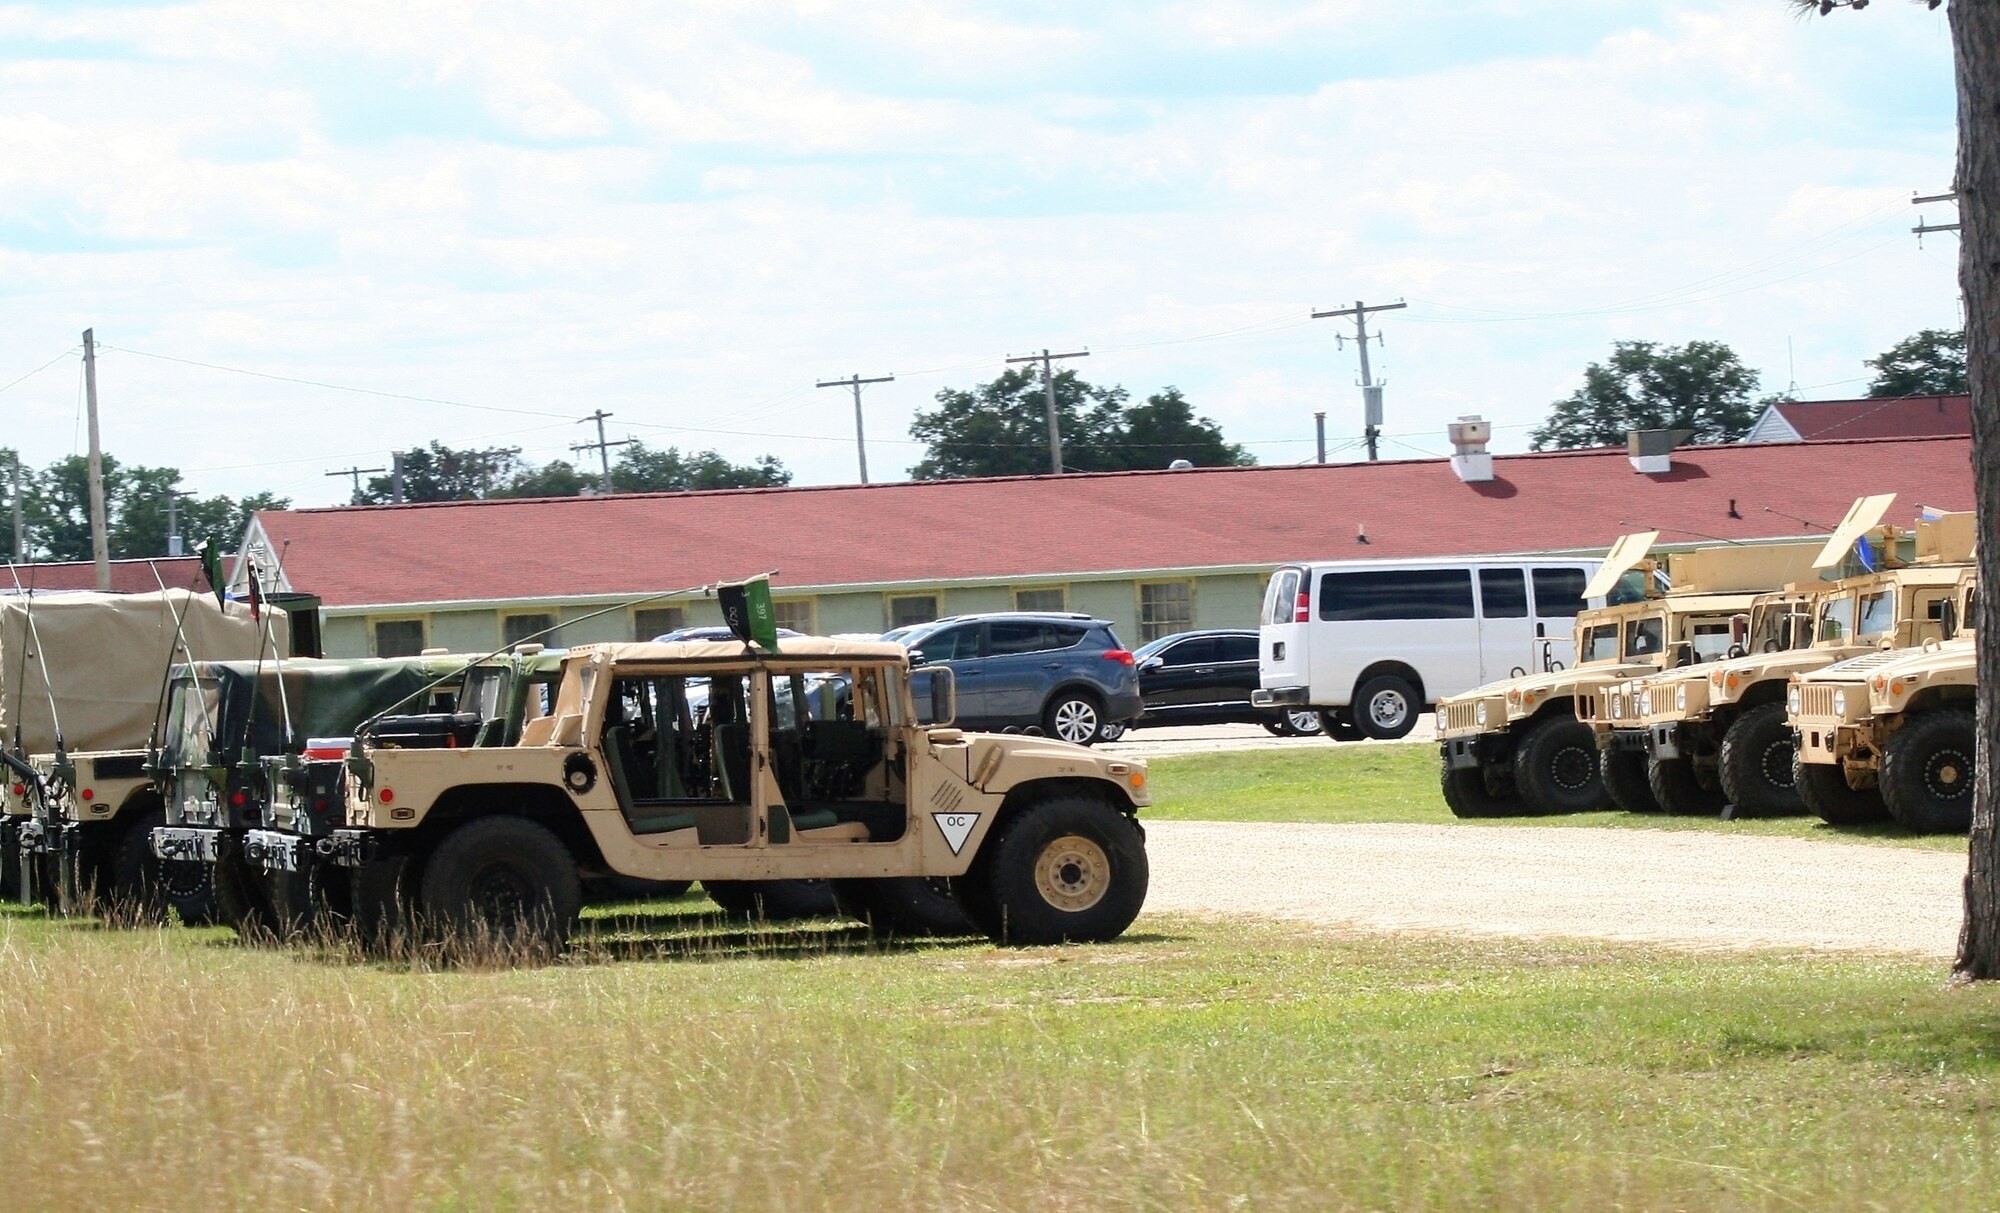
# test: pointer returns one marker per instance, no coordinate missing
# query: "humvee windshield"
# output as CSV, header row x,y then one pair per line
x,y
190,714
1643,637
1878,613
1836,619
1777,626
1711,640
1600,643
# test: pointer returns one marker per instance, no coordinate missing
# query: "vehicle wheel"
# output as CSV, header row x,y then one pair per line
x,y
1295,722
909,906
1624,776
1467,794
1386,707
503,880
239,903
1111,730
382,898
10,869
1068,869
298,899
773,900
1555,767
1680,788
1074,717
1927,772
1756,762
1823,788
135,889
1338,725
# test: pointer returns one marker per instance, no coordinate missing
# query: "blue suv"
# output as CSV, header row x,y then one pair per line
x,y
1064,675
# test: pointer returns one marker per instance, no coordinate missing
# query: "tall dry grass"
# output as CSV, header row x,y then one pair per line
x,y
675,1063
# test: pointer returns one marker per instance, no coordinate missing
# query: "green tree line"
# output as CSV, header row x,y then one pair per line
x,y
55,509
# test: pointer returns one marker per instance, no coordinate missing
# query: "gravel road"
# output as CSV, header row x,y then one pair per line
x,y
1671,887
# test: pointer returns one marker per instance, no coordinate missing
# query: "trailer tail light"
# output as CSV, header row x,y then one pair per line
x,y
1302,611
1121,656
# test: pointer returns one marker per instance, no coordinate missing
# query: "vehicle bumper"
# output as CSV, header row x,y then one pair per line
x,y
1279,697
1478,750
1830,742
1123,705
349,848
1662,741
274,851
189,844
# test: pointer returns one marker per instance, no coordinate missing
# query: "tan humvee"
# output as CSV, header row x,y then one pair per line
x,y
710,761
1697,741
1524,744
1892,732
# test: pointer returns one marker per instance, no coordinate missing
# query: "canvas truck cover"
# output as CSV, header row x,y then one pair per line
x,y
107,655
325,697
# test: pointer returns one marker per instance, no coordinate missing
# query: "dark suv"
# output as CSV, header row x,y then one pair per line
x,y
1065,675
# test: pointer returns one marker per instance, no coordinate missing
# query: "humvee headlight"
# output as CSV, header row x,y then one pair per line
x,y
1514,698
1479,714
1792,701
1880,683
1715,678
1645,703
1680,699
1840,703
1617,706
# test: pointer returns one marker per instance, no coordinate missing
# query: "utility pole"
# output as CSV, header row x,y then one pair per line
x,y
1319,428
396,477
1049,383
174,545
860,443
20,531
1922,227
1371,391
100,539
357,473
602,447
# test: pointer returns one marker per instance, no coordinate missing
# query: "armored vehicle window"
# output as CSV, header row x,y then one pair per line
x,y
1558,591
1503,593
1396,594
1777,626
1711,640
190,715
1601,643
1280,597
481,695
1643,637
1236,648
1878,613
1836,619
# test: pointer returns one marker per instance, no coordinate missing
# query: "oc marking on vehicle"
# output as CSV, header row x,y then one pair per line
x,y
956,828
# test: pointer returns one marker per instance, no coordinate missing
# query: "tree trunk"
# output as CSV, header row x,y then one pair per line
x,y
1975,37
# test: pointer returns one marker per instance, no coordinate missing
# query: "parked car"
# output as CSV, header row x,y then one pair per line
x,y
1065,675
1206,677
710,632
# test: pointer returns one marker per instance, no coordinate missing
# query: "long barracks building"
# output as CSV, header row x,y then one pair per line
x,y
1154,552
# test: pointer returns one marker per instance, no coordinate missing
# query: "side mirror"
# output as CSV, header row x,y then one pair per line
x,y
1737,650
934,690
1152,663
1948,619
917,658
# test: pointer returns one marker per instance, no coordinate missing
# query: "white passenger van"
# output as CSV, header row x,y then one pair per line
x,y
1371,643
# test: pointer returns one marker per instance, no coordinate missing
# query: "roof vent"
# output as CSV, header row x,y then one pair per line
x,y
1469,435
1652,451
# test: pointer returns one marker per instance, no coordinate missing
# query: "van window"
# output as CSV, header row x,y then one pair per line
x,y
1279,600
1396,594
1503,594
1558,592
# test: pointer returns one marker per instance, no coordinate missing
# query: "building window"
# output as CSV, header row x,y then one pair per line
x,y
516,628
1045,598
657,621
399,637
1165,607
915,608
794,613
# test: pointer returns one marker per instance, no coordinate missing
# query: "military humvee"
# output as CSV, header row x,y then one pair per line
x,y
1524,744
1037,839
1893,732
1704,739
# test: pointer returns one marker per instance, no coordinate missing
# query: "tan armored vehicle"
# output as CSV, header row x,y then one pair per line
x,y
1892,733
1696,741
711,761
1522,745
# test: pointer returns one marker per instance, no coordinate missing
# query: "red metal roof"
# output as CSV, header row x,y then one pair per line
x,y
1895,417
1031,527
127,576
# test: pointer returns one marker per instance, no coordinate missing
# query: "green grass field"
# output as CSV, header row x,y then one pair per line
x,y
1399,783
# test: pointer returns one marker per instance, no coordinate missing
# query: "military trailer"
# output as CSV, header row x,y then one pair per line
x,y
1892,733
1701,740
1038,840
1525,744
78,717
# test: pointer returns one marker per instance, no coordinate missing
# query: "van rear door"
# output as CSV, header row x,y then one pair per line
x,y
1506,633
1558,599
1282,645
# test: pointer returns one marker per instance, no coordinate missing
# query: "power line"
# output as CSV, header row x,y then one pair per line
x,y
602,447
1049,385
860,440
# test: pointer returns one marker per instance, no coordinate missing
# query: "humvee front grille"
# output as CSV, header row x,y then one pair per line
x,y
1816,700
1459,715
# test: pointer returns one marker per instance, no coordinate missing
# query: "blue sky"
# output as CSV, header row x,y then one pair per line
x,y
689,213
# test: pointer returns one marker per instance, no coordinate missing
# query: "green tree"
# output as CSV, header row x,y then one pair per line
x,y
441,473
1701,387
556,478
642,469
57,504
1931,363
1001,429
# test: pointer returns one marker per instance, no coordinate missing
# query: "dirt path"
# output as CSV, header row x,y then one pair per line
x,y
1657,886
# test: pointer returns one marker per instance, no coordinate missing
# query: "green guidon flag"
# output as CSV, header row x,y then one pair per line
x,y
746,608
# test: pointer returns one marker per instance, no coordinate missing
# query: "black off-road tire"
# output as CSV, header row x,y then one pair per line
x,y
1073,716
10,871
1067,869
502,881
1927,772
1823,788
773,900
1756,763
905,906
382,897
1555,767
1624,776
1375,711
1679,787
307,900
135,889
240,903
1467,793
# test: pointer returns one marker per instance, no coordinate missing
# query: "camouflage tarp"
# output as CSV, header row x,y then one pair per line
x,y
325,697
